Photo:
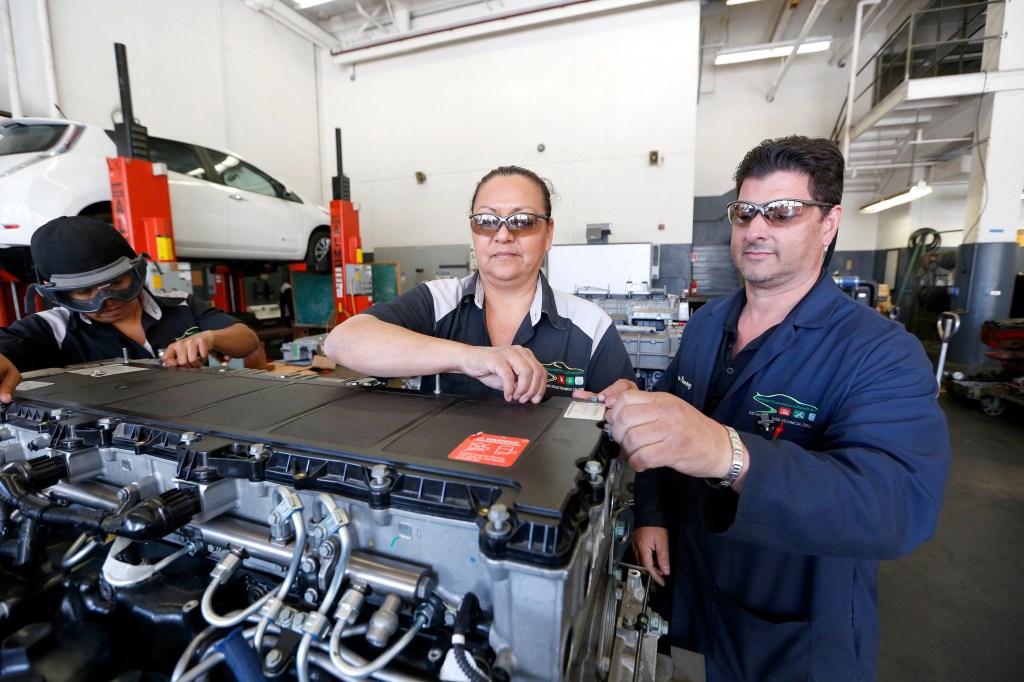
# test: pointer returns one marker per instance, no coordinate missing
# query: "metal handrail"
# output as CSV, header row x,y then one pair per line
x,y
904,52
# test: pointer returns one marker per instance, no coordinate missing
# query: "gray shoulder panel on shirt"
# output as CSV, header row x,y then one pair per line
x,y
589,317
447,294
57,319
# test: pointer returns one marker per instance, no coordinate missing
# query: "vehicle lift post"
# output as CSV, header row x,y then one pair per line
x,y
140,198
353,280
11,292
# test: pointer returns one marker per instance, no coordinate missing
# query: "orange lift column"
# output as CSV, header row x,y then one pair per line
x,y
353,279
141,206
11,293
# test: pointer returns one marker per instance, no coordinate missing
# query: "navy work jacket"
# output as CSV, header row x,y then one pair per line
x,y
780,582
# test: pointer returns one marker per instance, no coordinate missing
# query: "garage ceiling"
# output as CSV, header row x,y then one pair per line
x,y
892,138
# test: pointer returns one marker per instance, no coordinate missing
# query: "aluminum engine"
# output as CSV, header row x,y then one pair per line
x,y
174,522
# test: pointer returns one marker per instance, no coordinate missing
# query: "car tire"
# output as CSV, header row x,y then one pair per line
x,y
318,255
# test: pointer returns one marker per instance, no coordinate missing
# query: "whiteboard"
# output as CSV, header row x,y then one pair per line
x,y
602,266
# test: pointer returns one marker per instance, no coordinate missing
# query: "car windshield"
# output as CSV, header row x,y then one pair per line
x,y
18,138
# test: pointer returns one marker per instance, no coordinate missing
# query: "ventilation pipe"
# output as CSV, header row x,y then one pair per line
x,y
49,72
852,87
289,18
12,65
811,18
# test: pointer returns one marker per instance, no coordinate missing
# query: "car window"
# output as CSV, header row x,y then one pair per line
x,y
179,157
18,138
238,174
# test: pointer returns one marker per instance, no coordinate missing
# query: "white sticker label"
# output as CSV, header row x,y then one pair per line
x,y
29,385
585,410
106,370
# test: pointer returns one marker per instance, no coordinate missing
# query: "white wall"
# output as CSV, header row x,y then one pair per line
x,y
212,72
599,93
942,210
735,117
25,22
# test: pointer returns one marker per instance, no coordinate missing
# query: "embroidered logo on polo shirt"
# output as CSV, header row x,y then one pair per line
x,y
563,377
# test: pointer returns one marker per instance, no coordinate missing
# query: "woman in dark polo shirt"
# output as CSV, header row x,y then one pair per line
x,y
501,331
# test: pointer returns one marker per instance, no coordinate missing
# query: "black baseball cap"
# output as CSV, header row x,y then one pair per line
x,y
79,246
72,253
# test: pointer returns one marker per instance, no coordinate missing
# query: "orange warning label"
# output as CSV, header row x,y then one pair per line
x,y
495,451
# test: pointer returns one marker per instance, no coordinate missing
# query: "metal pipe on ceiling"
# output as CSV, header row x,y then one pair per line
x,y
291,19
546,13
804,32
13,87
857,24
782,22
49,72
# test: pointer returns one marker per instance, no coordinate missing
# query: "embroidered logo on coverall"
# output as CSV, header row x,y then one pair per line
x,y
786,408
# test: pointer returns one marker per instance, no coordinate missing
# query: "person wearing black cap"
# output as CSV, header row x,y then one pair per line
x,y
95,279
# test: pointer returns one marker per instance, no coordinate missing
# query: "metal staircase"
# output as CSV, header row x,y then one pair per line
x,y
916,106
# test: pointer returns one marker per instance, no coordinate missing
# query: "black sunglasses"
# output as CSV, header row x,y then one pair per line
x,y
777,212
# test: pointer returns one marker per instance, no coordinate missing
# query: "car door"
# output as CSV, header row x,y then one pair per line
x,y
199,209
261,220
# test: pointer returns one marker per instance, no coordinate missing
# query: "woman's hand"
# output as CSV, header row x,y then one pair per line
x,y
190,351
511,369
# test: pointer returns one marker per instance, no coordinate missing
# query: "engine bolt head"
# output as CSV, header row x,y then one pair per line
x,y
379,479
497,517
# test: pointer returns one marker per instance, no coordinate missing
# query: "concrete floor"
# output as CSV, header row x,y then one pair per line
x,y
953,611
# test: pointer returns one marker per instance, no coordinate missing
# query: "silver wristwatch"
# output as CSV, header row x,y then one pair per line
x,y
737,462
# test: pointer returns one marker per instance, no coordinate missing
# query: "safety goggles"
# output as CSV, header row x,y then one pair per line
x,y
777,212
518,224
87,292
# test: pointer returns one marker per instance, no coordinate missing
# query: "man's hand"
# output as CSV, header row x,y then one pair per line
x,y
511,369
190,351
661,430
10,377
650,544
607,394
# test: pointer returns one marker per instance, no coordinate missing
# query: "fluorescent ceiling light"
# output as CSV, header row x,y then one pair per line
x,y
917,191
739,2
770,51
306,4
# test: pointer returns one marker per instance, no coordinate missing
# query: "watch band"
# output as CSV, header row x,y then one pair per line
x,y
737,462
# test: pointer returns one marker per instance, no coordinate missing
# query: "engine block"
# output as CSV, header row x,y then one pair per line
x,y
311,529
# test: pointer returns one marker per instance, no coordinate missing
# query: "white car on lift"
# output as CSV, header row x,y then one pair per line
x,y
223,208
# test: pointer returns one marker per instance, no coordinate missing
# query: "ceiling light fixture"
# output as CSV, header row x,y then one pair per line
x,y
771,51
306,4
917,191
739,2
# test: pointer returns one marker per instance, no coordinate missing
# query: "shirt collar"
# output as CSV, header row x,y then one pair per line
x,y
543,299
150,306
